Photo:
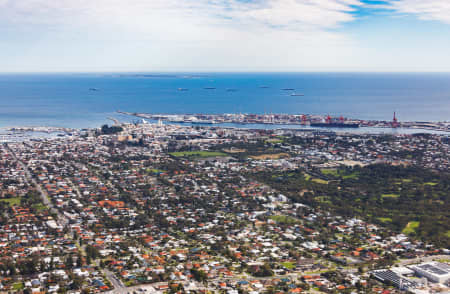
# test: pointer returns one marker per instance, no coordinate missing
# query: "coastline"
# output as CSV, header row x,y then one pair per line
x,y
295,121
8,134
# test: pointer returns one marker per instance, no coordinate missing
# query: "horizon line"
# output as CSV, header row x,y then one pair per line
x,y
224,71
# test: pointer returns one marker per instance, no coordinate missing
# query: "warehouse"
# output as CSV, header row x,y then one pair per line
x,y
434,271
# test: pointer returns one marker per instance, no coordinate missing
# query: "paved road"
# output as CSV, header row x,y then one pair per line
x,y
152,288
62,219
119,287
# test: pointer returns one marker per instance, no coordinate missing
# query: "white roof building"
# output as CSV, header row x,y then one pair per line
x,y
434,271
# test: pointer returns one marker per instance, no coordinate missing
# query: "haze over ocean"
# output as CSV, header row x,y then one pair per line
x,y
66,99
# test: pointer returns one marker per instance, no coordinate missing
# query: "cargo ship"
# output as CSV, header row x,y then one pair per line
x,y
203,121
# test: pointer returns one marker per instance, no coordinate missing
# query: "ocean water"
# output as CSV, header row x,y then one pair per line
x,y
66,99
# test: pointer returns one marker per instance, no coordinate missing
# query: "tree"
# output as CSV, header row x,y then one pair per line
x,y
79,260
199,275
106,130
69,262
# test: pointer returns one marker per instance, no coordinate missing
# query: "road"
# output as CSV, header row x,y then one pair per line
x,y
152,288
119,287
62,219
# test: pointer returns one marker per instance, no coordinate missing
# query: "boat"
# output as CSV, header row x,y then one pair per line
x,y
209,88
231,90
263,87
295,94
201,121
288,89
335,125
182,89
94,89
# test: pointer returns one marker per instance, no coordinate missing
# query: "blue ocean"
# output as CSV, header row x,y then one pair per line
x,y
87,100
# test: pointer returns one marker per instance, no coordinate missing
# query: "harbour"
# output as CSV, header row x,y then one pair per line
x,y
303,121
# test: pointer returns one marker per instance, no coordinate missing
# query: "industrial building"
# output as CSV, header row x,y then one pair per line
x,y
434,271
388,276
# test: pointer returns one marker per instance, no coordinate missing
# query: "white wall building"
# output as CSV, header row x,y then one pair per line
x,y
434,271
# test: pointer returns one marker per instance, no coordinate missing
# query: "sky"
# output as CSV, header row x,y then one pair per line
x,y
224,35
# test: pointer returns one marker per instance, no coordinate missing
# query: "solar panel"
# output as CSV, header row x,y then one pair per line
x,y
388,275
432,269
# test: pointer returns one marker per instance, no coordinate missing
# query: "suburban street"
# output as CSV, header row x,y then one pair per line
x,y
62,219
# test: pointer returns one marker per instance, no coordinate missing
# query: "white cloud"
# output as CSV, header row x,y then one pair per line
x,y
183,34
171,34
220,22
291,14
438,10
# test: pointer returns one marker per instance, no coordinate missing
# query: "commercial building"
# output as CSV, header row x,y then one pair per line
x,y
434,271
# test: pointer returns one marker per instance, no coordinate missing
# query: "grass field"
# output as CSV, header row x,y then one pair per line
x,y
234,150
338,173
390,195
385,219
354,175
283,219
203,154
12,201
18,286
128,283
270,156
430,184
320,181
332,172
155,171
411,228
39,207
323,199
288,265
